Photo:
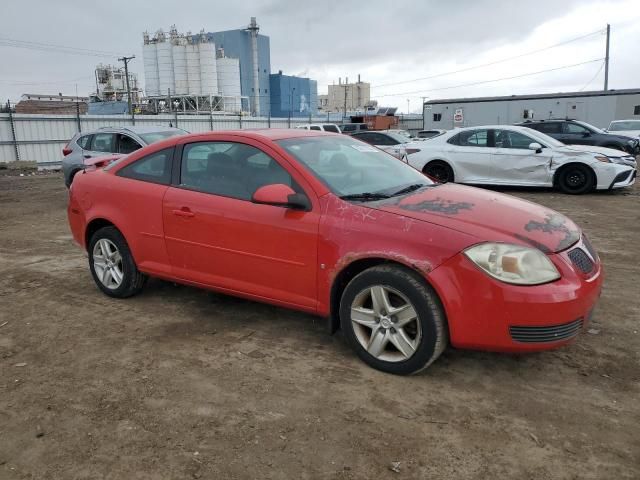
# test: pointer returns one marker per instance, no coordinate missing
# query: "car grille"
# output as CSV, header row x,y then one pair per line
x,y
581,260
553,333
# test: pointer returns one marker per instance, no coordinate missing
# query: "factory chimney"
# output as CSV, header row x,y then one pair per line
x,y
253,32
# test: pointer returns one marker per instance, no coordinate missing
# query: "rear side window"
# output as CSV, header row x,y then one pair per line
x,y
474,138
84,142
230,169
547,127
314,127
574,128
348,128
104,142
154,168
331,128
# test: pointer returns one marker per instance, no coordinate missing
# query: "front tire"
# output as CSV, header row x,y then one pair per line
x,y
439,170
393,320
576,179
112,265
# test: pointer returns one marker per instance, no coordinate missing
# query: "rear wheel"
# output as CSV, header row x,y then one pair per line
x,y
439,170
112,265
393,320
576,179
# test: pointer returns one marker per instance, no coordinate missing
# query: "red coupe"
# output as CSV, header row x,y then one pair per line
x,y
332,226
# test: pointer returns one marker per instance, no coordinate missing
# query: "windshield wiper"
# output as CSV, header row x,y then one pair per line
x,y
409,189
364,196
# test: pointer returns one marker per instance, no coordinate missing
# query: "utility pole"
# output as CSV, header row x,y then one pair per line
x,y
344,115
606,61
126,74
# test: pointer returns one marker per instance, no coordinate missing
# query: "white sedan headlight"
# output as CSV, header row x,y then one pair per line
x,y
513,263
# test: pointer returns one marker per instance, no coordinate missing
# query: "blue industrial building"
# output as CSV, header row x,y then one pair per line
x,y
237,44
297,96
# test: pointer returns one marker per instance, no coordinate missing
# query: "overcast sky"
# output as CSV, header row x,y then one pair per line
x,y
386,42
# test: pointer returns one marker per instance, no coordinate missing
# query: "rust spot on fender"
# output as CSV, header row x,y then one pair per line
x,y
555,223
420,265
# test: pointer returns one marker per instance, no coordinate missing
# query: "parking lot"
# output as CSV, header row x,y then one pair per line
x,y
183,383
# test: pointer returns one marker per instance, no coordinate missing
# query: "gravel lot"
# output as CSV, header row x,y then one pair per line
x,y
181,383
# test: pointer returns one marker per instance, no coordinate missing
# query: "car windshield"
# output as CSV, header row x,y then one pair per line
x,y
153,137
591,127
624,126
351,168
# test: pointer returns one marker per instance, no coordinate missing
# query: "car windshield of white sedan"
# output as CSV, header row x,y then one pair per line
x,y
354,170
153,137
624,126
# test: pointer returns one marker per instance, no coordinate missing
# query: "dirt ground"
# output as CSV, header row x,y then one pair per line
x,y
181,383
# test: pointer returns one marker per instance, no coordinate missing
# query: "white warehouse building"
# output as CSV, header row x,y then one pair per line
x,y
598,108
191,72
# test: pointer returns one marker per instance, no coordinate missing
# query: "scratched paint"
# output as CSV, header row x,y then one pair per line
x,y
438,205
555,223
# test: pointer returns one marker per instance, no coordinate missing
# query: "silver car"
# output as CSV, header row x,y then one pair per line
x,y
109,140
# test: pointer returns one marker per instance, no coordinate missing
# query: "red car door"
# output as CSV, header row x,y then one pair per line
x,y
216,236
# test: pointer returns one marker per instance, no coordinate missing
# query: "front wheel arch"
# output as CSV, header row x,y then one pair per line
x,y
444,163
563,168
349,272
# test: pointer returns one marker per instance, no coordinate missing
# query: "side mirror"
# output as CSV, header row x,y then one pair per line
x,y
535,146
586,134
281,195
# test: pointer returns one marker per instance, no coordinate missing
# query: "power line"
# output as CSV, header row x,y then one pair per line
x,y
490,63
489,81
11,42
594,77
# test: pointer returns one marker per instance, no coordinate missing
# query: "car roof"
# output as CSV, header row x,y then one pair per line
x,y
265,133
139,129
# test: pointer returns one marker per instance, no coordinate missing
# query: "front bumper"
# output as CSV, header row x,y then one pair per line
x,y
624,179
486,314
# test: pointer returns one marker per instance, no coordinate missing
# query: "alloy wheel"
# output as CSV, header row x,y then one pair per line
x,y
386,323
107,263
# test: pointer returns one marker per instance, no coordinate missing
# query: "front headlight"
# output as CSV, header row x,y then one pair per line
x,y
513,263
603,159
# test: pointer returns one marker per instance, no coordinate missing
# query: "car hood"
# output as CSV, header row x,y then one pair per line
x,y
609,152
628,133
489,216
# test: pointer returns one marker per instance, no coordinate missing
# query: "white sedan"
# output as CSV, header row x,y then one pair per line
x,y
520,156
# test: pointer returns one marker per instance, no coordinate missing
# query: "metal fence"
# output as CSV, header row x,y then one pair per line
x,y
40,138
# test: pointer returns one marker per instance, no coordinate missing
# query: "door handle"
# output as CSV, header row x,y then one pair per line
x,y
184,212
86,155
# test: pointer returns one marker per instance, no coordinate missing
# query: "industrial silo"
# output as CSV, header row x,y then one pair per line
x,y
165,65
193,68
229,82
209,75
150,62
179,53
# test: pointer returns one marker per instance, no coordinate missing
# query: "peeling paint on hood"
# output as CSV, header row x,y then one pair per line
x,y
489,216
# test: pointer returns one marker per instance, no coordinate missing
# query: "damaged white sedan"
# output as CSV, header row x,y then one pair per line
x,y
520,156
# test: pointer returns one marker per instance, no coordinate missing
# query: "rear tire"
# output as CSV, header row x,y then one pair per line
x,y
393,320
112,265
576,179
439,170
